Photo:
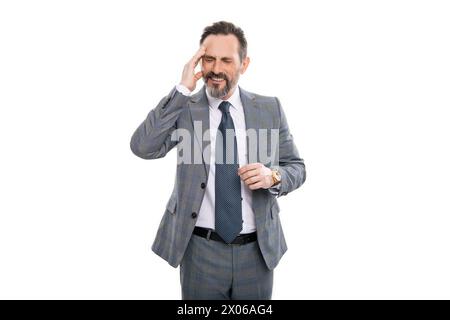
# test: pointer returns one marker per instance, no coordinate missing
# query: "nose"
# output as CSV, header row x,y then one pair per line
x,y
216,68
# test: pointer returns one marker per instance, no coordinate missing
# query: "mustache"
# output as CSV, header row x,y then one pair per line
x,y
220,75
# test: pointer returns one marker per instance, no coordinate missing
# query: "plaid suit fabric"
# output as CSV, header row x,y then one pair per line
x,y
153,139
212,270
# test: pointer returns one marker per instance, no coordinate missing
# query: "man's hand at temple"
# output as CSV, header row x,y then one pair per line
x,y
189,78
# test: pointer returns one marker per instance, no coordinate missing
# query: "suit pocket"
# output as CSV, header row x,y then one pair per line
x,y
171,205
275,208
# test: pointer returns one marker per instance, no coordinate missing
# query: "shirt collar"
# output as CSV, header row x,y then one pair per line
x,y
234,99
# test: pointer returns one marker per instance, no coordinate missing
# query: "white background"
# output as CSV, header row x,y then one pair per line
x,y
364,84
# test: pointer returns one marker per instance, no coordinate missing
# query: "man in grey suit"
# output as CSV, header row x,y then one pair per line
x,y
221,223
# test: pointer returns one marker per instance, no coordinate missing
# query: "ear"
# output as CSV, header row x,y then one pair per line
x,y
244,65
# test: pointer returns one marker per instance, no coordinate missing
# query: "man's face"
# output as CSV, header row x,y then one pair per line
x,y
221,65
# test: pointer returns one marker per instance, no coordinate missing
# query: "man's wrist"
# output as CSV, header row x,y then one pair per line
x,y
276,177
183,89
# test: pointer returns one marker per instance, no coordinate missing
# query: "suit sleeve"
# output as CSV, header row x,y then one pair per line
x,y
153,138
291,166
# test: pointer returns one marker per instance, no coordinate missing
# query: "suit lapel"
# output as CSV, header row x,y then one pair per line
x,y
252,121
199,108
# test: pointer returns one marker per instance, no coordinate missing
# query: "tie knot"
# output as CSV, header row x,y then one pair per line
x,y
225,106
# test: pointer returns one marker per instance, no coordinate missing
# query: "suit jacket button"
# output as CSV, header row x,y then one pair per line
x,y
194,215
203,185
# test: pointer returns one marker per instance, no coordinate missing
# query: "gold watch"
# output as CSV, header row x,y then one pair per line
x,y
276,177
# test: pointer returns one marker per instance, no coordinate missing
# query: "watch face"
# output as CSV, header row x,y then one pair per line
x,y
276,176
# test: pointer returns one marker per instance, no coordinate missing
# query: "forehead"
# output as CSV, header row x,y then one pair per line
x,y
219,45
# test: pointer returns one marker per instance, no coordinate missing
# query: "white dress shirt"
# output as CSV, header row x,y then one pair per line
x,y
206,216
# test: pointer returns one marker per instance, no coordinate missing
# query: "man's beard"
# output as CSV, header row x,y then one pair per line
x,y
215,90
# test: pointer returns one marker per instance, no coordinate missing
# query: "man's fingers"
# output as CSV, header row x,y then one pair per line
x,y
249,174
198,75
200,51
194,61
252,180
248,167
196,58
254,175
189,77
255,186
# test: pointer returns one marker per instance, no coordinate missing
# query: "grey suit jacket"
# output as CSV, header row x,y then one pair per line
x,y
153,139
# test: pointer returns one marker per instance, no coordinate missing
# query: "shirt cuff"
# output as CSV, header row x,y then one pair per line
x,y
275,190
183,90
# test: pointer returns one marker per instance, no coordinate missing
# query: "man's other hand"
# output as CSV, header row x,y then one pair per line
x,y
256,176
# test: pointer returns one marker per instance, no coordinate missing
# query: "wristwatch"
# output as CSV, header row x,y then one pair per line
x,y
276,176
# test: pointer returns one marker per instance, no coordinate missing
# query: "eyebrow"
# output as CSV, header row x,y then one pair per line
x,y
214,58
